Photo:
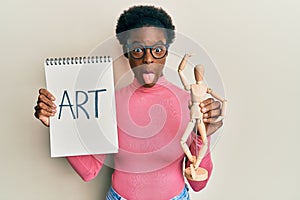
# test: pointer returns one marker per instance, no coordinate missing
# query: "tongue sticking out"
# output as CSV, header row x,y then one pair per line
x,y
148,78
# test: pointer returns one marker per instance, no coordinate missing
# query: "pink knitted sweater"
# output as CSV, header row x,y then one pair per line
x,y
151,122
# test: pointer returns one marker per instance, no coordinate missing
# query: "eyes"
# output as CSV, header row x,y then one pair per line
x,y
138,51
156,49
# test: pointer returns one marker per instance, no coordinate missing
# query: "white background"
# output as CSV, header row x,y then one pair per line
x,y
255,45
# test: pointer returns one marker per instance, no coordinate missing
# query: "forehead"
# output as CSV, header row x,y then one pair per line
x,y
147,35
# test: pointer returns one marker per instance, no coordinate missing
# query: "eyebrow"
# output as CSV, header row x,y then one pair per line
x,y
139,42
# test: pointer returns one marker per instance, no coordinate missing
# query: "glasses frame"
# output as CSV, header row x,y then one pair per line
x,y
145,49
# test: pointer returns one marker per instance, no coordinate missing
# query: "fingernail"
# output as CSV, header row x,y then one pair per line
x,y
204,109
202,104
205,115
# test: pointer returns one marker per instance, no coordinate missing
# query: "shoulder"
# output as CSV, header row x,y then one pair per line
x,y
122,91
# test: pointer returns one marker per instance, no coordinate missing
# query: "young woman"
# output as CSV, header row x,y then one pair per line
x,y
152,114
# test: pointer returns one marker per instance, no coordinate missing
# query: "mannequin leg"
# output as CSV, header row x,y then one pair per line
x,y
201,154
184,138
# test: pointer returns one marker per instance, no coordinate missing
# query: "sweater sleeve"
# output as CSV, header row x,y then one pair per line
x,y
87,166
206,163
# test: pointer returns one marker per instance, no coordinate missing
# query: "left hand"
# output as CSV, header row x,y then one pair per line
x,y
211,110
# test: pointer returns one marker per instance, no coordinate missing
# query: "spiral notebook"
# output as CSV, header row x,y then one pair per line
x,y
85,121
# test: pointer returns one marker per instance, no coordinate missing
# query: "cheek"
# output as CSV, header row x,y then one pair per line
x,y
161,63
133,63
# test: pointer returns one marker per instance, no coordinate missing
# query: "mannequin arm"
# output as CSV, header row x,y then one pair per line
x,y
183,62
181,68
184,81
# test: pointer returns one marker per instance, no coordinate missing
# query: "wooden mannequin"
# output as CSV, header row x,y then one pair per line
x,y
198,94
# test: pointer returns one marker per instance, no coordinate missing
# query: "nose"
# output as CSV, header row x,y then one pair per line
x,y
148,58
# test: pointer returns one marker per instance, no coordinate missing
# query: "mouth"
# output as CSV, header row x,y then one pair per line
x,y
148,77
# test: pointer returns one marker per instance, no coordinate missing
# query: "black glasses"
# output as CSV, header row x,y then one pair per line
x,y
138,51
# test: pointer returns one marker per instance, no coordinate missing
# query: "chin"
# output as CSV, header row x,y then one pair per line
x,y
149,85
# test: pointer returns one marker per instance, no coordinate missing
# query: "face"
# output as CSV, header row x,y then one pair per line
x,y
147,69
199,73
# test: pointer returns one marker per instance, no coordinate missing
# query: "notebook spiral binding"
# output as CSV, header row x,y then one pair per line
x,y
77,60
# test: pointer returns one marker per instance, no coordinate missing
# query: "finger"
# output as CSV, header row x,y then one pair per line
x,y
44,120
49,109
212,106
36,114
36,108
43,113
206,102
42,116
46,100
47,94
212,113
210,120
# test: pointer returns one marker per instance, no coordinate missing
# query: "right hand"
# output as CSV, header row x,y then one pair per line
x,y
45,107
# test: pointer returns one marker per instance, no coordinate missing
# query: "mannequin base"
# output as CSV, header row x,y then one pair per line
x,y
201,174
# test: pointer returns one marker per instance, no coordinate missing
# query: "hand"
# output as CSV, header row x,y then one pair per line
x,y
45,107
211,110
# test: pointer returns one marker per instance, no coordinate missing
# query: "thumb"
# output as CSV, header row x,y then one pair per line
x,y
45,121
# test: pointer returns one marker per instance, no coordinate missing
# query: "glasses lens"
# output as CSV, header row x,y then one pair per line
x,y
137,51
159,51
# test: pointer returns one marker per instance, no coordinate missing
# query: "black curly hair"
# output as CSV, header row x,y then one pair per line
x,y
144,16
